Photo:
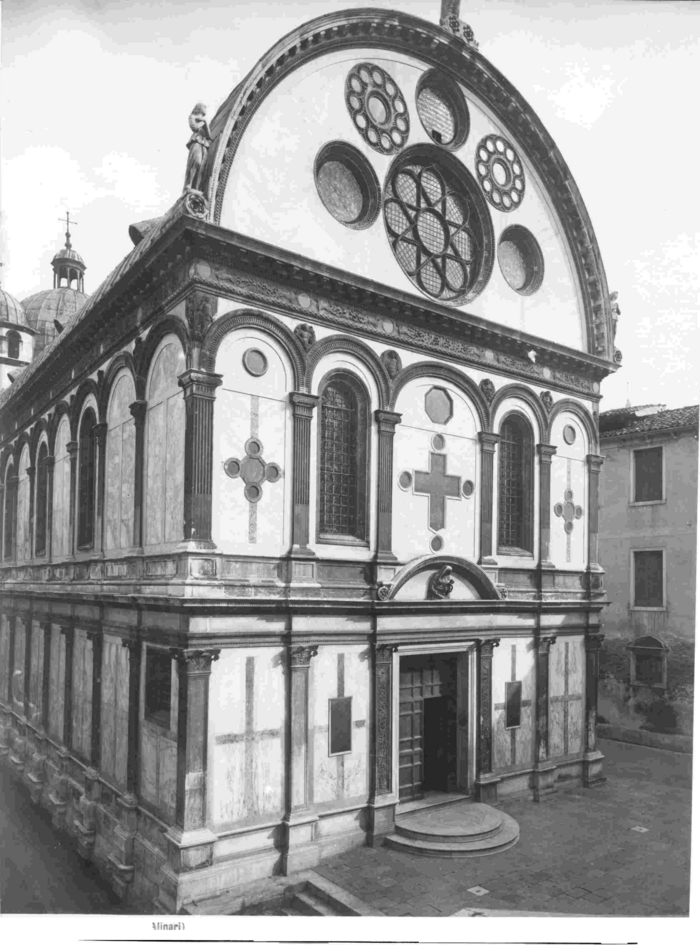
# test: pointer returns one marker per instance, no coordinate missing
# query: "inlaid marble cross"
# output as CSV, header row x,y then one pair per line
x,y
569,511
439,486
253,470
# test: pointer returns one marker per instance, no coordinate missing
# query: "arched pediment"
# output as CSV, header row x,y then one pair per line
x,y
429,578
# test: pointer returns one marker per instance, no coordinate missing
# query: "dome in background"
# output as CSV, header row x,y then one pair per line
x,y
11,310
42,308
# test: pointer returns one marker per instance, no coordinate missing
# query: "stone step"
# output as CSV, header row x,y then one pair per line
x,y
459,831
307,903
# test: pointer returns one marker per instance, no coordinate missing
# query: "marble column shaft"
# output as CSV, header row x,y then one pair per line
x,y
593,645
386,427
100,431
595,464
382,754
194,672
69,635
200,393
50,465
132,760
300,662
31,475
545,453
72,449
303,408
27,665
46,678
485,756
95,637
544,645
488,443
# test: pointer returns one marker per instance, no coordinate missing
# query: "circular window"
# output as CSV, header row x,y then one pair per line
x,y
442,110
377,108
438,224
569,434
500,173
255,362
520,259
347,185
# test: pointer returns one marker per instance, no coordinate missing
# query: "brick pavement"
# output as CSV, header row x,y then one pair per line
x,y
577,852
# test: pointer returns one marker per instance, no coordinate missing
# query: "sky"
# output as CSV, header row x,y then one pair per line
x,y
96,95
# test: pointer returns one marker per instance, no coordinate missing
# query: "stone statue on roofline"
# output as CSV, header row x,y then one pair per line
x,y
615,309
198,145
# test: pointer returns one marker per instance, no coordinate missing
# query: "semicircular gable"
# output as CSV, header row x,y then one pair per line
x,y
471,573
401,38
520,392
445,372
587,421
122,361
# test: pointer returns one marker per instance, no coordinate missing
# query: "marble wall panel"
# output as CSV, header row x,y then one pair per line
x,y
36,675
167,775
112,487
568,550
513,662
18,674
22,542
57,683
4,655
154,486
174,497
128,466
82,693
115,709
556,729
148,782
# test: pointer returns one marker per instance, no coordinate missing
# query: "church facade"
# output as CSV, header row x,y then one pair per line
x,y
299,509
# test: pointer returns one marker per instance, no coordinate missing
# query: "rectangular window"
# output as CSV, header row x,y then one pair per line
x,y
648,474
158,686
340,726
648,578
514,699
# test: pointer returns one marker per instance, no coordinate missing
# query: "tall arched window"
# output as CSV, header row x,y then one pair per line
x,y
87,466
343,460
8,543
515,483
14,344
60,531
41,504
119,477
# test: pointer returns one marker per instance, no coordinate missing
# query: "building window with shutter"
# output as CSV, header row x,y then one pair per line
x,y
86,481
343,461
515,483
648,661
648,580
41,502
647,475
158,691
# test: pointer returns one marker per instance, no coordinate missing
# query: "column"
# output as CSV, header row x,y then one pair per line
x,y
101,449
72,449
13,483
595,464
544,769
138,412
50,463
5,693
300,823
488,443
67,632
46,678
132,761
121,860
593,758
303,410
386,427
27,666
95,638
545,453
31,474
200,392
383,797
486,781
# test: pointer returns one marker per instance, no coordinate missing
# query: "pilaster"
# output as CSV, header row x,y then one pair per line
x,y
31,475
200,392
72,449
383,798
138,411
545,453
100,431
595,464
303,409
95,639
132,761
300,823
544,769
386,428
50,464
488,443
486,781
68,633
592,758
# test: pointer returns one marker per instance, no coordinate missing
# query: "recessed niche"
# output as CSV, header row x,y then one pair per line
x,y
520,259
347,185
442,110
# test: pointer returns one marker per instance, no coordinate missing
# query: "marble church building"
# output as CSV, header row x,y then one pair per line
x,y
299,508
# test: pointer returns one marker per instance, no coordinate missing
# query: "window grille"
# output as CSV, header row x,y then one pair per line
x,y
339,479
515,487
86,481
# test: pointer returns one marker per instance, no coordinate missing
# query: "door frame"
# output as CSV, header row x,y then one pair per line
x,y
467,661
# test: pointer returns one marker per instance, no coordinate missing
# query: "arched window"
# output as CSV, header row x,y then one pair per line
x,y
86,480
8,544
119,478
60,531
14,344
515,480
41,500
343,460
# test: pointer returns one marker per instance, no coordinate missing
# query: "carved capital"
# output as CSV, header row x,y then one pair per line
x,y
194,662
138,411
100,431
594,642
303,404
31,471
387,421
301,656
133,646
66,629
488,441
544,644
545,451
201,384
72,448
487,648
595,463
384,652
200,309
49,461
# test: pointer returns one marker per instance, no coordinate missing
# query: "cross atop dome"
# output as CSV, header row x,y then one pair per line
x,y
67,222
68,265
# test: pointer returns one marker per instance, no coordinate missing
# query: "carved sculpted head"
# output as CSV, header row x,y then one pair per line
x,y
391,362
306,335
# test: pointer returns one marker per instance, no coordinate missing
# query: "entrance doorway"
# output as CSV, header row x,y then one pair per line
x,y
427,725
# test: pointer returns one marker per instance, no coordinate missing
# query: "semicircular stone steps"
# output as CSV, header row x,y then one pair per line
x,y
460,830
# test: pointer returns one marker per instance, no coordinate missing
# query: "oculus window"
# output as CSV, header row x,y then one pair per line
x,y
442,110
648,474
347,185
520,260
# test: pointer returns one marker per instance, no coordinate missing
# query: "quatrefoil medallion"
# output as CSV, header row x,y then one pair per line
x,y
253,470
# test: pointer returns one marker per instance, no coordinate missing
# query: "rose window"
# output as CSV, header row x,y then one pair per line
x,y
377,108
438,225
500,173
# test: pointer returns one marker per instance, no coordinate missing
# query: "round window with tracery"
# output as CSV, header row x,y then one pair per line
x,y
500,172
377,108
438,224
